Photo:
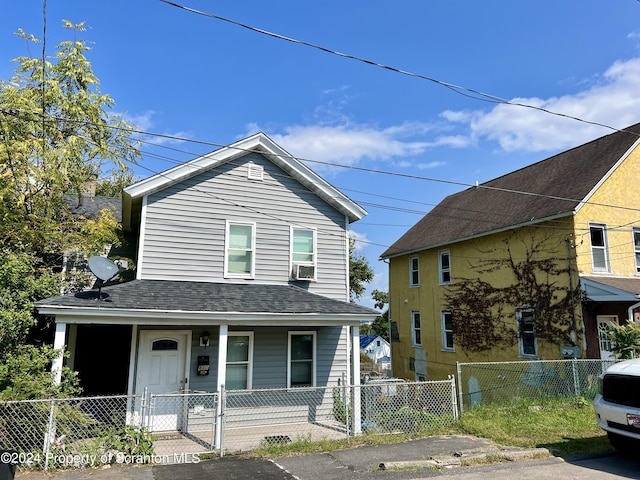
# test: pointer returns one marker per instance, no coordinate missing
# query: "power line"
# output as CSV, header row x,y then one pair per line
x,y
464,91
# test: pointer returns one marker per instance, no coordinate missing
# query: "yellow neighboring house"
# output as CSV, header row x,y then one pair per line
x,y
536,264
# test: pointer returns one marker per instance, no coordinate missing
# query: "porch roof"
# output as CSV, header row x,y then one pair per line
x,y
611,289
202,299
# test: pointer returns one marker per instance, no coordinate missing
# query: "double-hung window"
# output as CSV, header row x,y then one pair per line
x,y
239,360
636,247
526,332
416,329
447,330
414,272
302,359
240,250
599,247
444,264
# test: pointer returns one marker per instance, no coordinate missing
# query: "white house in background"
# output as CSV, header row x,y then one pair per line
x,y
375,347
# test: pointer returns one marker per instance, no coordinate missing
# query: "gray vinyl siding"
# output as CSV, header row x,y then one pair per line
x,y
185,227
270,356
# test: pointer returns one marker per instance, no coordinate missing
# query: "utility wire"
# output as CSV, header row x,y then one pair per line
x,y
464,91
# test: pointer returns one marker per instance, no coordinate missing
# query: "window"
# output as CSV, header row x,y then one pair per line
x,y
302,367
416,329
303,253
636,247
445,267
240,245
414,272
526,332
599,249
239,360
447,330
160,345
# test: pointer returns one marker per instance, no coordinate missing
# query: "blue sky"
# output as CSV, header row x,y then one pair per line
x,y
181,74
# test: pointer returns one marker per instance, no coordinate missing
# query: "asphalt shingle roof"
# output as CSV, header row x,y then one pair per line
x,y
166,295
555,186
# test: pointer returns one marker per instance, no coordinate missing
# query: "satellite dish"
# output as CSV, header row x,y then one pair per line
x,y
103,268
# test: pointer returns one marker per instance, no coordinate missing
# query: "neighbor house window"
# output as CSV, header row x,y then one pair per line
x,y
239,360
526,332
302,365
414,272
445,267
240,248
416,329
447,330
599,248
636,247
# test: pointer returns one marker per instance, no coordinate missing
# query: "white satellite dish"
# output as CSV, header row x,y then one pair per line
x,y
103,268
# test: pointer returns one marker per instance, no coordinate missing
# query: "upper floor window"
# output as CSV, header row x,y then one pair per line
x,y
636,247
444,260
526,332
240,247
599,247
303,253
416,329
447,330
414,272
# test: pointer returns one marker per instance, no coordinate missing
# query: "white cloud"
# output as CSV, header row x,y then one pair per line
x,y
361,241
613,100
145,122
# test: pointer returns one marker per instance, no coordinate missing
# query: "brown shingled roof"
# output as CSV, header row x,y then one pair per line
x,y
556,186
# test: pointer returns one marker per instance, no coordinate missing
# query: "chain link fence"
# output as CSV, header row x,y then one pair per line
x,y
501,382
178,427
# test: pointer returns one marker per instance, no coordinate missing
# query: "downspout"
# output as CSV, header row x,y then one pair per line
x,y
630,312
574,329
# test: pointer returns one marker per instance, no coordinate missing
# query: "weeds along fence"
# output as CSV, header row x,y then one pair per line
x,y
180,427
501,382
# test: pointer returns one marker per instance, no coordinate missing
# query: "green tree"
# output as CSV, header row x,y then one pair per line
x,y
55,132
380,326
626,340
360,272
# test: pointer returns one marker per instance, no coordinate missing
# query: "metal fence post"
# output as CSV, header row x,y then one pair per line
x,y
454,403
220,407
49,435
576,378
460,401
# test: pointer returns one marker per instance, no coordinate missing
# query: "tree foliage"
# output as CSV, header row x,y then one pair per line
x,y
55,132
626,340
483,313
380,325
360,272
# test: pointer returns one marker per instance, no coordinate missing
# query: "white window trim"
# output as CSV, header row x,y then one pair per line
x,y
445,348
636,251
535,337
411,270
605,247
441,271
314,263
250,360
226,250
313,360
416,340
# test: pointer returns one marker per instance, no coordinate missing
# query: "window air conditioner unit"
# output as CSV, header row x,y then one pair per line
x,y
303,272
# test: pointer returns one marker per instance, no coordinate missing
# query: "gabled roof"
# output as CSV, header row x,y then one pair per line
x,y
556,187
258,143
88,206
365,340
170,300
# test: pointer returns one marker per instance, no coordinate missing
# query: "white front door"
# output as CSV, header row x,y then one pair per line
x,y
162,362
605,325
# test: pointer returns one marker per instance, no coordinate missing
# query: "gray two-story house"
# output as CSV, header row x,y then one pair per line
x,y
242,281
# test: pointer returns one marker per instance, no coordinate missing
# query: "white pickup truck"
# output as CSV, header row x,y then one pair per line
x,y
617,405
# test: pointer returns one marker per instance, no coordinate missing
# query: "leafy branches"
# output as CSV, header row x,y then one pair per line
x,y
483,306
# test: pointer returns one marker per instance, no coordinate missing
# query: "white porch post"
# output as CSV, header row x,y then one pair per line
x,y
58,344
355,355
221,379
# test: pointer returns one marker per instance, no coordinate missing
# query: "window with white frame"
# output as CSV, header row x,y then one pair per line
x,y
526,332
447,330
239,360
414,272
302,359
444,261
416,329
599,247
303,252
636,247
240,248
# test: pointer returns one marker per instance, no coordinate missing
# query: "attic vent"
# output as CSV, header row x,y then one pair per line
x,y
255,172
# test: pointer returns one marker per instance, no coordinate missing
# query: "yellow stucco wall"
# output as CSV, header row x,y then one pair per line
x,y
620,189
428,298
